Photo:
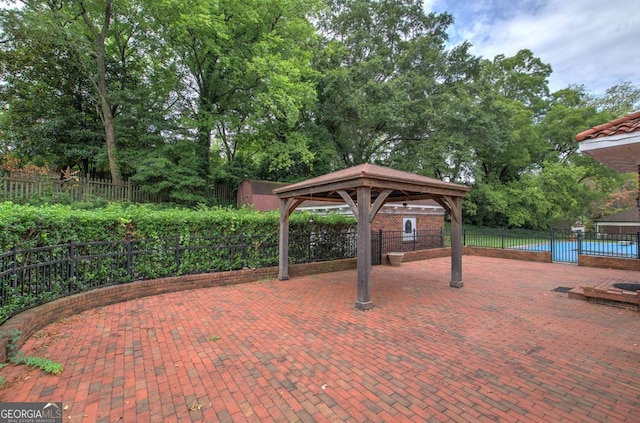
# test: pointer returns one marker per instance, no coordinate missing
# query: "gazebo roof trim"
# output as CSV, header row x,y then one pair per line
x,y
371,172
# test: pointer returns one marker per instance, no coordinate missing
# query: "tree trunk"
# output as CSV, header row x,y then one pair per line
x,y
110,136
204,138
204,150
104,108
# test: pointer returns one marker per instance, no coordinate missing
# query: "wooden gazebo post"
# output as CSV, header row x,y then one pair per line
x,y
287,206
364,249
456,241
283,241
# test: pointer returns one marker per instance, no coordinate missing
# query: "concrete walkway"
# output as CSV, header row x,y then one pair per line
x,y
503,348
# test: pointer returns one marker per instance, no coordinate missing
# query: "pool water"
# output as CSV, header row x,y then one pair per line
x,y
567,251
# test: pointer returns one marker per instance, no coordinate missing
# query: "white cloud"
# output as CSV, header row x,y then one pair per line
x,y
590,42
428,4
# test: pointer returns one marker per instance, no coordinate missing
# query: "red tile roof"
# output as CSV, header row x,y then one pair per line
x,y
623,125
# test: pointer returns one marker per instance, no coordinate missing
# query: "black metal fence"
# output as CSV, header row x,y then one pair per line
x,y
321,246
36,275
564,244
503,238
621,245
383,242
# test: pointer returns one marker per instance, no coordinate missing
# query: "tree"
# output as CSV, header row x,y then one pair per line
x,y
504,152
620,198
171,172
553,182
570,111
382,69
523,77
247,73
49,116
99,29
620,100
482,124
77,68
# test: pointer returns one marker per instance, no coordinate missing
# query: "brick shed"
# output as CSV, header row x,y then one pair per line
x,y
258,194
416,215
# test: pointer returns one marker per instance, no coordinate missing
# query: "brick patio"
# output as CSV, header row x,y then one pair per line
x,y
503,348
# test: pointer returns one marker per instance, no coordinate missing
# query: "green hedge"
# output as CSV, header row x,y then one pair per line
x,y
121,243
25,226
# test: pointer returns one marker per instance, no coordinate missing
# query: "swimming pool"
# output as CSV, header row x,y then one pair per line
x,y
567,251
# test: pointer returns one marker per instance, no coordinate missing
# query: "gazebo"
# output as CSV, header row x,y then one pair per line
x,y
365,188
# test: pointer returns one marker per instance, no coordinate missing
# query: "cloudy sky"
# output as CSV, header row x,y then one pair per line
x,y
591,42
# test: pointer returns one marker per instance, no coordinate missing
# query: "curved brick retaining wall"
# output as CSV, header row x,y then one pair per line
x,y
30,321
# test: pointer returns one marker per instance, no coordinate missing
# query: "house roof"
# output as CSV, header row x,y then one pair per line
x,y
616,144
627,216
623,125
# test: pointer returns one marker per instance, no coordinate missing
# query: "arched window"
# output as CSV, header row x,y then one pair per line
x,y
408,228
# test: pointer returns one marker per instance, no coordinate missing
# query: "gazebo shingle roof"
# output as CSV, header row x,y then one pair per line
x,y
411,186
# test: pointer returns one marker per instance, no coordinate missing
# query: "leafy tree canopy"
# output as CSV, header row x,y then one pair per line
x,y
179,94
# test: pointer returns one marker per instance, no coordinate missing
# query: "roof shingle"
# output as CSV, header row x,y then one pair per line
x,y
623,125
627,216
371,171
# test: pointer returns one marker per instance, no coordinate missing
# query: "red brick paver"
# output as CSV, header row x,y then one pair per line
x,y
503,348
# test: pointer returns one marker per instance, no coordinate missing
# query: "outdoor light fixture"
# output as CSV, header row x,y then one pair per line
x,y
638,201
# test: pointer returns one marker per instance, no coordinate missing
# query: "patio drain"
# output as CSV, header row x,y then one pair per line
x,y
627,286
562,289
